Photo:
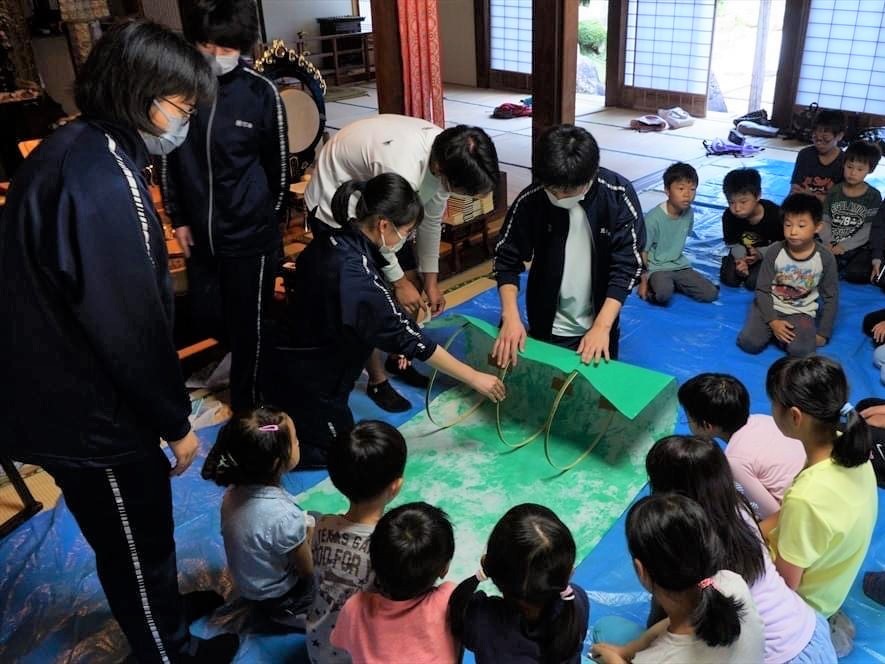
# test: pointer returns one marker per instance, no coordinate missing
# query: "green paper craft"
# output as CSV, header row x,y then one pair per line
x,y
467,471
628,388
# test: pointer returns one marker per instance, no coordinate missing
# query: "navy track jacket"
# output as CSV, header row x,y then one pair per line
x,y
536,230
229,179
343,307
91,375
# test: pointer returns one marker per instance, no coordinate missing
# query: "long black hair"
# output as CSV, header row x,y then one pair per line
x,y
388,196
134,64
530,557
674,540
698,469
817,386
254,447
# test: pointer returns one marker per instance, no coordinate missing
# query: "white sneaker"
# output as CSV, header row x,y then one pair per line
x,y
676,117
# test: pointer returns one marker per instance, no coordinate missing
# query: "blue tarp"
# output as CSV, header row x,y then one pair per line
x,y
52,608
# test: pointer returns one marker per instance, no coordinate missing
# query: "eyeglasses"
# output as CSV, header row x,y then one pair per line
x,y
823,135
188,114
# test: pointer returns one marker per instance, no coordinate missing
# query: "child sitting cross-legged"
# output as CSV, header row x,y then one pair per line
x,y
797,290
405,620
266,535
849,210
667,227
679,559
366,465
750,225
542,617
762,460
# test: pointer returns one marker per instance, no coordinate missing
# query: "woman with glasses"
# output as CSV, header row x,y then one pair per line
x,y
344,307
224,191
87,342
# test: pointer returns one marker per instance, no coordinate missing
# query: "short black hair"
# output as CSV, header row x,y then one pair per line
x,y
364,461
678,172
719,400
134,64
410,549
566,157
228,23
466,156
802,203
864,152
829,120
742,181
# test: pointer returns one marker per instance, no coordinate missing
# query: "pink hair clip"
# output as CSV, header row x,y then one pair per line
x,y
703,584
269,427
568,594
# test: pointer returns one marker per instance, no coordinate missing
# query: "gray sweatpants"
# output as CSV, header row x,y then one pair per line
x,y
756,334
664,283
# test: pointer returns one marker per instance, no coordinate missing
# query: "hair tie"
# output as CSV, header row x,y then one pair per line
x,y
568,594
226,460
703,584
846,408
269,427
481,575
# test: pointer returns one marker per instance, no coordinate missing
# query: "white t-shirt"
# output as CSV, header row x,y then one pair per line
x,y
342,567
574,311
384,143
683,648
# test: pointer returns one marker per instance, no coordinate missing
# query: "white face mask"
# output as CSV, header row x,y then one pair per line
x,y
567,203
222,64
175,134
392,249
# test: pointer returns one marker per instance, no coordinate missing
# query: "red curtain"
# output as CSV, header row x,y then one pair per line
x,y
422,69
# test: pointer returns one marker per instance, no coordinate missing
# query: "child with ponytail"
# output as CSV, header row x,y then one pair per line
x,y
266,535
711,617
693,467
823,530
542,617
342,309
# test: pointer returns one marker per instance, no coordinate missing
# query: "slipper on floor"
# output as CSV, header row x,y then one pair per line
x,y
510,111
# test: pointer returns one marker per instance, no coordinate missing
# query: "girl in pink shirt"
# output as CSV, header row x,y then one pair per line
x,y
405,619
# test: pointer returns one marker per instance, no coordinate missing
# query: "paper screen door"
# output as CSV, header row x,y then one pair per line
x,y
667,55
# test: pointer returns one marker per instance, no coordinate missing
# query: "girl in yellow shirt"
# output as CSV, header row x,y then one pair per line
x,y
823,530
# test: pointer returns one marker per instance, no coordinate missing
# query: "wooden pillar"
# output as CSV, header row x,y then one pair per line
x,y
792,44
554,63
388,57
616,49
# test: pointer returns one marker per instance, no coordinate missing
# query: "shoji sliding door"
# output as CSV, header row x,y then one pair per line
x,y
667,55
